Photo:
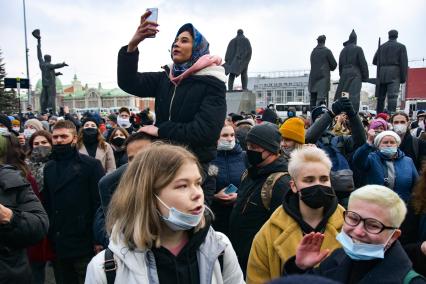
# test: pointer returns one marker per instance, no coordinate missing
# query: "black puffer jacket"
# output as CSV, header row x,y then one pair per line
x,y
191,114
29,225
249,214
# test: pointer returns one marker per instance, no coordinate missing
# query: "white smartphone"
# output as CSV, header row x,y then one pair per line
x,y
154,15
345,94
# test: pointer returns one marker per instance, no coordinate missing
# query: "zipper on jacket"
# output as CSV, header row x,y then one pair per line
x,y
171,103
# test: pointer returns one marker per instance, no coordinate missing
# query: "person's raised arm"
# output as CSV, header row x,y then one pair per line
x,y
144,30
39,54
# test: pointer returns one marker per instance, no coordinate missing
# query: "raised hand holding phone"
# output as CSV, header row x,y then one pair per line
x,y
145,30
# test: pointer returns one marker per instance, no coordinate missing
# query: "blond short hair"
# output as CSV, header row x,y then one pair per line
x,y
307,154
133,216
383,197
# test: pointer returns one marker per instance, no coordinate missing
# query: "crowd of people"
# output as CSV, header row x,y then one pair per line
x,y
193,195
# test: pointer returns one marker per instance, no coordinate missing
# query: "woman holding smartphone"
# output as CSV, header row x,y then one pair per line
x,y
189,93
160,228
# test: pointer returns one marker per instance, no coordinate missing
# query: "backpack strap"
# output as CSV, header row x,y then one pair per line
x,y
110,266
220,259
244,175
268,185
410,276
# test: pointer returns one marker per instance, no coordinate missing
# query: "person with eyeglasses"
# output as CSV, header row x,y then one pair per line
x,y
371,252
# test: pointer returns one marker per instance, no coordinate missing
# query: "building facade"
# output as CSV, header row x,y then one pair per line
x,y
280,87
78,97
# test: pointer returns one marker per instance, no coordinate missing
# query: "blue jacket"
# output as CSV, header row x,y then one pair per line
x,y
370,161
230,167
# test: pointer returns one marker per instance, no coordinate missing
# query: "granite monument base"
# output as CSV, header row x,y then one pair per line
x,y
238,101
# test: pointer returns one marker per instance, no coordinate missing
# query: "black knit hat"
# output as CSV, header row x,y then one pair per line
x,y
92,119
265,135
6,121
270,116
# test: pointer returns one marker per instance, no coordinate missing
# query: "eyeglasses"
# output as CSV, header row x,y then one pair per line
x,y
371,225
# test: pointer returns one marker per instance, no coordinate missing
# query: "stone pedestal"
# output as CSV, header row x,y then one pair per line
x,y
238,101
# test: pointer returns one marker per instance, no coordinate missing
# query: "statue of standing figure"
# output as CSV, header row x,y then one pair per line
x,y
353,70
237,58
322,62
48,77
392,67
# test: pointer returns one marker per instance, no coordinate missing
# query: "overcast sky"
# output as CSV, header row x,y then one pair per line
x,y
87,34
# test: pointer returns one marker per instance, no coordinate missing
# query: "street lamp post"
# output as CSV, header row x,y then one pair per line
x,y
26,53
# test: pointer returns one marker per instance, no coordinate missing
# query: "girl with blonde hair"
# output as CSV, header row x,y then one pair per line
x,y
160,228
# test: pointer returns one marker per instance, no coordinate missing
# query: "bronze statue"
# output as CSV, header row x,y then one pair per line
x,y
237,58
392,67
353,70
48,77
322,62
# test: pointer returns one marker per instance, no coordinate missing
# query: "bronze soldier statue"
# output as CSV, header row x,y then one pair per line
x,y
48,77
392,71
237,58
322,62
353,70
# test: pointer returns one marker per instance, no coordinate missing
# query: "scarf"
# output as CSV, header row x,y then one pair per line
x,y
200,47
205,61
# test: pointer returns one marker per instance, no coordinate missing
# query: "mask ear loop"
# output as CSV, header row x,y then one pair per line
x,y
387,241
164,204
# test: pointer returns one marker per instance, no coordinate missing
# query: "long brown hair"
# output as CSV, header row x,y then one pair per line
x,y
99,137
43,133
14,155
133,215
419,194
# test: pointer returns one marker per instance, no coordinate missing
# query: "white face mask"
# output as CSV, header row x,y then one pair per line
x,y
16,128
422,124
400,128
4,130
225,145
28,132
123,122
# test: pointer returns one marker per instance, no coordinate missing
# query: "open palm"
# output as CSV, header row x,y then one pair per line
x,y
308,253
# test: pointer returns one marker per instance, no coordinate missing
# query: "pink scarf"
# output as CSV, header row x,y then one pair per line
x,y
204,61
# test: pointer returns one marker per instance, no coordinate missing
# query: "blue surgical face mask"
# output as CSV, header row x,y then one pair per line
x,y
389,152
361,251
179,221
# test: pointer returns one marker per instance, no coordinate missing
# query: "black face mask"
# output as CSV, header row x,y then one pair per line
x,y
40,153
62,149
317,196
90,135
254,158
118,141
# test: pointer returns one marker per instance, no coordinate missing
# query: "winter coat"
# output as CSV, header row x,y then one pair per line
x,y
120,156
71,199
238,55
106,157
353,70
280,236
408,148
230,165
249,214
322,62
340,267
191,113
373,164
29,224
138,266
393,62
